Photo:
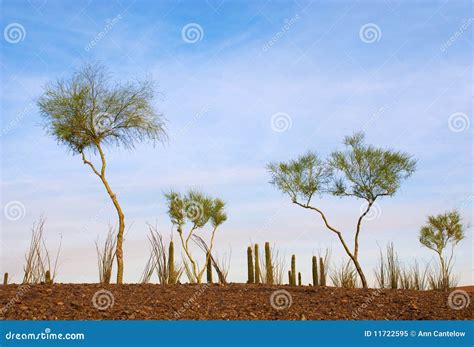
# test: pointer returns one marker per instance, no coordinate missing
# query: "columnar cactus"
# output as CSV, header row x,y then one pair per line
x,y
171,273
322,272
209,268
257,265
315,271
289,277
250,277
5,279
299,278
293,270
268,264
47,277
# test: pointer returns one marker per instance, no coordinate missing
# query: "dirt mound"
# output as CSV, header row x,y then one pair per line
x,y
234,301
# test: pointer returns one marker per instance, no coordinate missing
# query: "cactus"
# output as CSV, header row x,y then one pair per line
x,y
293,270
299,278
5,278
315,271
289,277
209,269
171,272
47,277
257,265
250,278
322,273
268,264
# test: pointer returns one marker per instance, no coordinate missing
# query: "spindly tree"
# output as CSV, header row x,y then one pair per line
x,y
195,210
89,112
440,231
361,171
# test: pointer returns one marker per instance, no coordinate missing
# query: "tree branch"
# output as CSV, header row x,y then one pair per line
x,y
359,223
337,232
90,164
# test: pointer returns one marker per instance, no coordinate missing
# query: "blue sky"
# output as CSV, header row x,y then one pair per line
x,y
310,63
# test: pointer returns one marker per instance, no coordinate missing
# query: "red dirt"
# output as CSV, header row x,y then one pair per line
x,y
234,301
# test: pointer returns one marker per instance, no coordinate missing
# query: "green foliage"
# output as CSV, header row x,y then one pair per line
x,y
301,178
198,210
369,172
90,109
195,208
257,265
250,277
268,264
314,266
442,229
362,171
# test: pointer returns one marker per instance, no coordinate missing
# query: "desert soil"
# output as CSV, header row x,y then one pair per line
x,y
234,301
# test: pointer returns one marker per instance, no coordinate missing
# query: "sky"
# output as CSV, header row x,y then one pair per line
x,y
240,84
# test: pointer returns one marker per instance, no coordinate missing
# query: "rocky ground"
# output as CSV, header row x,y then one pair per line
x,y
234,301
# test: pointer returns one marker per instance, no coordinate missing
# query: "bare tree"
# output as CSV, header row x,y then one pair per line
x,y
89,112
361,171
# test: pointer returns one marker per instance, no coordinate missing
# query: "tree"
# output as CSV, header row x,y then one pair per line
x,y
89,112
440,231
361,171
198,210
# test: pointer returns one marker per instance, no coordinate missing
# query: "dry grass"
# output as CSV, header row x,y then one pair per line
x,y
106,256
38,266
345,276
220,264
159,261
277,261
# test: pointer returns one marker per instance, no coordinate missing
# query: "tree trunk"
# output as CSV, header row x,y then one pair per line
x,y
101,175
360,272
121,217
